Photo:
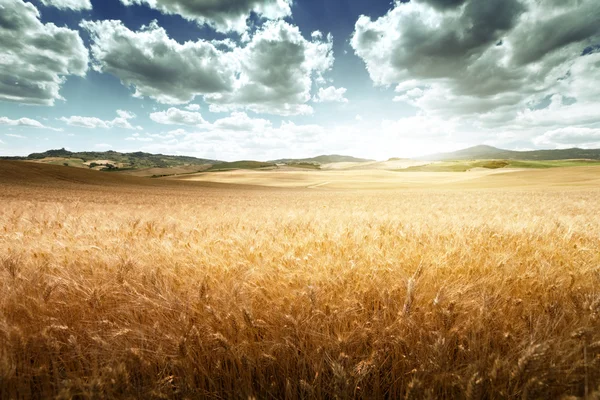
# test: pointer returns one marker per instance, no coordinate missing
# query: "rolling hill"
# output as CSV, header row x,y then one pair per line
x,y
114,160
483,152
324,159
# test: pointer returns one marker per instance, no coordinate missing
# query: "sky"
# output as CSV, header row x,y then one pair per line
x,y
269,79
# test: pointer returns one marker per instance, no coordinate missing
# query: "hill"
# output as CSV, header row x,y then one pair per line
x,y
38,178
227,166
323,159
113,160
484,152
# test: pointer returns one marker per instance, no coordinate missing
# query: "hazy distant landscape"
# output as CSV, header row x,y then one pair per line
x,y
160,166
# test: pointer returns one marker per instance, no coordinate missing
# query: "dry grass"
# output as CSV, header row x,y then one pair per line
x,y
189,292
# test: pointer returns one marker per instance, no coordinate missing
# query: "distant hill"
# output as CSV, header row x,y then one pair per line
x,y
484,152
115,160
227,166
324,159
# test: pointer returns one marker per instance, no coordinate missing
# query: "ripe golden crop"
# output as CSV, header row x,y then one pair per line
x,y
225,293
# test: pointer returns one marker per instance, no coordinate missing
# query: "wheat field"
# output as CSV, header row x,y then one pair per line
x,y
175,290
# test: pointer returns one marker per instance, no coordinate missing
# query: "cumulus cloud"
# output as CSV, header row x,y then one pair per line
x,y
121,121
192,107
240,121
157,66
331,94
137,137
26,122
272,73
570,137
175,116
238,136
222,15
75,5
36,58
491,65
276,72
242,136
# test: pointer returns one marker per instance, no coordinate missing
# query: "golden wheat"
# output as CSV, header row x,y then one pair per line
x,y
211,293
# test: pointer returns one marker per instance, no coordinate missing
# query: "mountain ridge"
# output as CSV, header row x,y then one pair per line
x,y
322,159
485,152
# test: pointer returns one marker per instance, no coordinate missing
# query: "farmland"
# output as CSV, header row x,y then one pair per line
x,y
299,284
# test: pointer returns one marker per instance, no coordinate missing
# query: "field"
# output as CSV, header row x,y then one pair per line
x,y
299,284
462,166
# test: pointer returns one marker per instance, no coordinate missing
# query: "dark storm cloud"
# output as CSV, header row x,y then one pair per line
x,y
579,24
481,49
429,51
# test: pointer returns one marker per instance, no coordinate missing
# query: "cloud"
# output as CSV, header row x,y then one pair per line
x,y
193,107
331,94
36,58
138,138
240,121
157,66
27,122
276,71
175,116
222,15
121,121
489,67
273,73
75,5
570,137
241,136
15,136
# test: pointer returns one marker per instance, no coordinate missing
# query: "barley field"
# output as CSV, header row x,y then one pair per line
x,y
154,289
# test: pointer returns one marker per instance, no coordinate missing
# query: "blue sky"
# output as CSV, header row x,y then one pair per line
x,y
266,79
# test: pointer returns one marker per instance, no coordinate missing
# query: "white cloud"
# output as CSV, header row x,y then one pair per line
x,y
570,137
331,94
222,15
121,121
13,135
175,116
26,122
125,114
36,58
273,73
240,121
240,136
137,137
193,107
75,5
103,146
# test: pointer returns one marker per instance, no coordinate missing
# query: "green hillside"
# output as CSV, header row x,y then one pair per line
x,y
136,160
